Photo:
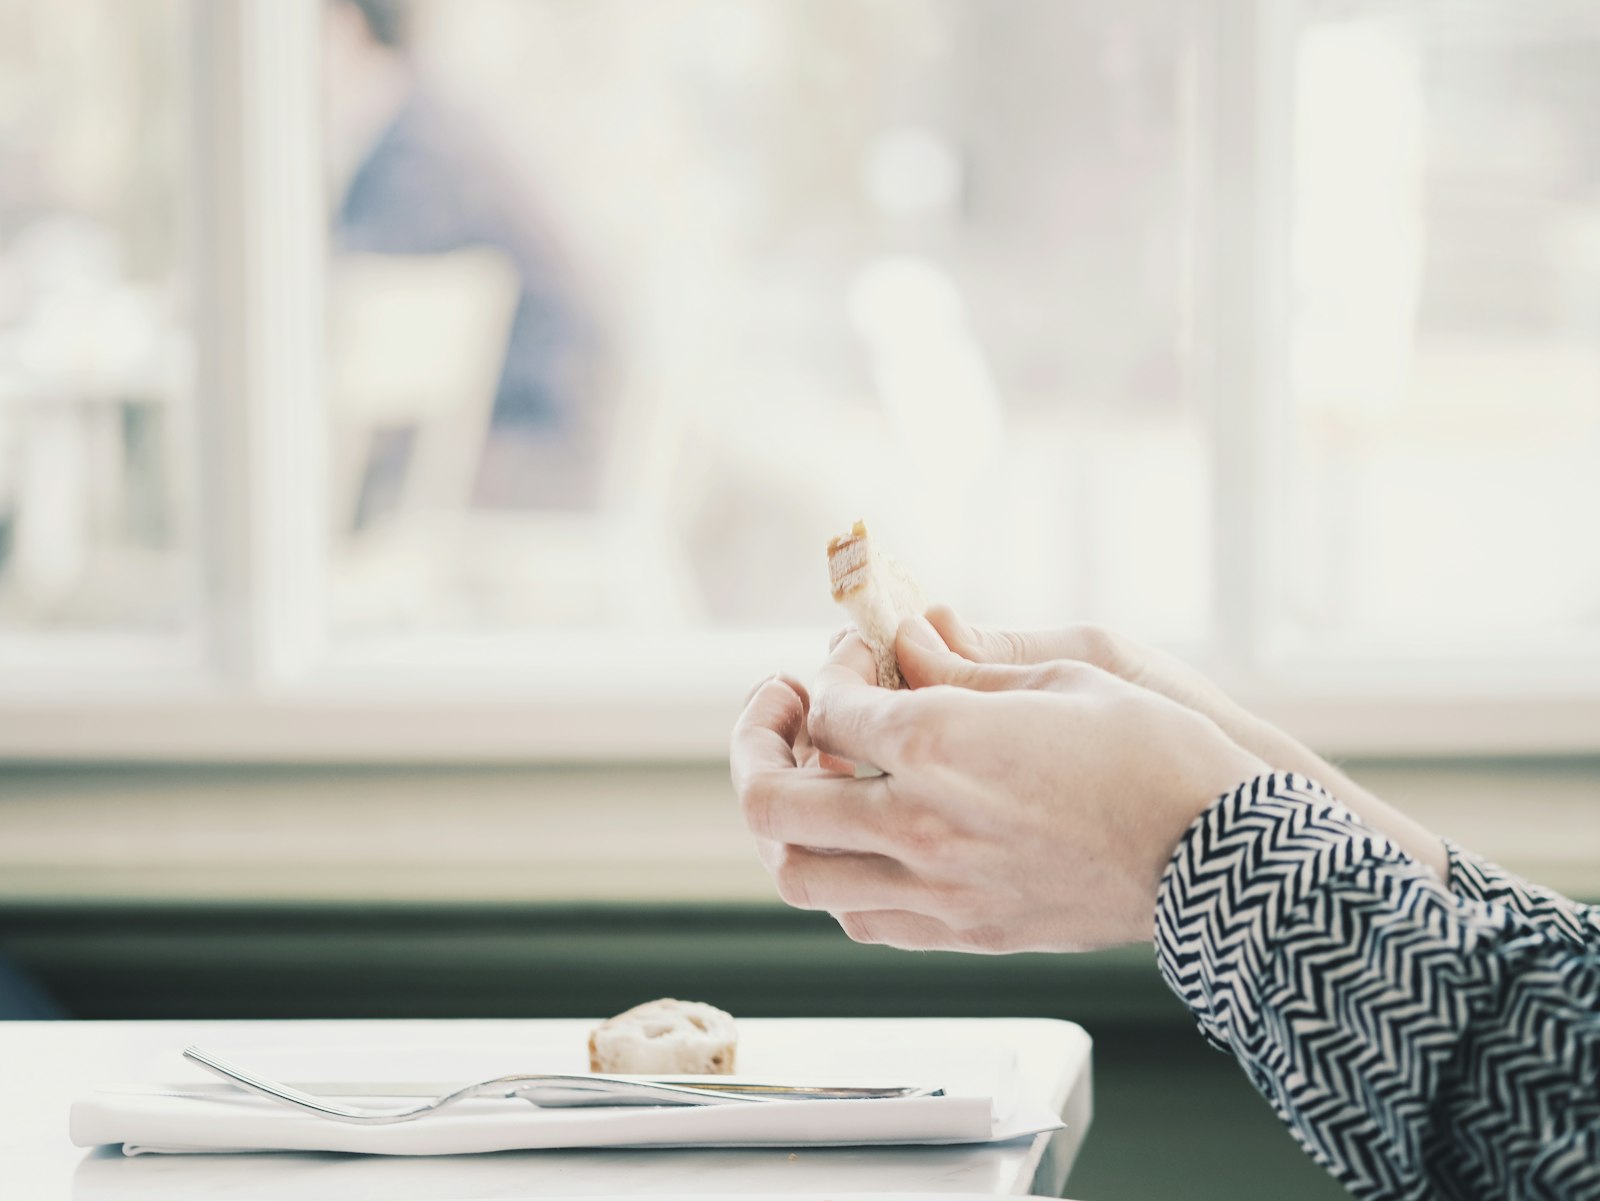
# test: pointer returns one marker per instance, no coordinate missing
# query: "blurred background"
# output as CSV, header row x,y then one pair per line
x,y
421,421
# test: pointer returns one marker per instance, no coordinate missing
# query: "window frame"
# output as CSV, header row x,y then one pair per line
x,y
265,682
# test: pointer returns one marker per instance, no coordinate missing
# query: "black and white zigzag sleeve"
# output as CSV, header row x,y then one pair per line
x,y
1420,1040
1479,880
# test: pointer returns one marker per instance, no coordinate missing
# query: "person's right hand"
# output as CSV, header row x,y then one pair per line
x,y
1033,656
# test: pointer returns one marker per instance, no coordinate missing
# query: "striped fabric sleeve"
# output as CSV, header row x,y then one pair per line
x,y
1418,1042
1479,880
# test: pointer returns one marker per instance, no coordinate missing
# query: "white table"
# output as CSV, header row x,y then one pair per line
x,y
45,1064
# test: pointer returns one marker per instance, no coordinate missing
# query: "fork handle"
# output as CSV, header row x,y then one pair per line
x,y
275,1091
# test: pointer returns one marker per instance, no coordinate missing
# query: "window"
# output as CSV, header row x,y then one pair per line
x,y
1445,346
504,365
97,538
687,301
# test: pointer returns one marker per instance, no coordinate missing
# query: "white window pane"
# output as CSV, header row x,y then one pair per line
x,y
1446,463
634,305
95,357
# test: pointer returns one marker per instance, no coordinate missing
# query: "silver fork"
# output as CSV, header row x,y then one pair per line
x,y
548,1090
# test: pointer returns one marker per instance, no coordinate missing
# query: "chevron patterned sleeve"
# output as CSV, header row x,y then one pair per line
x,y
1418,1041
1479,880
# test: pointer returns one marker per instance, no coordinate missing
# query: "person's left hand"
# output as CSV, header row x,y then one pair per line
x,y
1010,817
776,711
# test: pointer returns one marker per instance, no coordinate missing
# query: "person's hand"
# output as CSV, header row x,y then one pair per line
x,y
775,714
1031,658
1008,817
1037,651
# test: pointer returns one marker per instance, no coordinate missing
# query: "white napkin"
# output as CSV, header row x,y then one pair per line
x,y
976,1109
150,1123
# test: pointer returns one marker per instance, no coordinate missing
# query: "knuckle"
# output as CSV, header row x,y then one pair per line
x,y
924,837
899,733
1058,673
921,732
954,671
1067,674
821,713
1011,647
954,905
823,722
1123,702
912,744
1095,644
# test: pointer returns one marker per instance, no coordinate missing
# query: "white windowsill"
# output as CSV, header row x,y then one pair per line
x,y
432,726
610,696
564,836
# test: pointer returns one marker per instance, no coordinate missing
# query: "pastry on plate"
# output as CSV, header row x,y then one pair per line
x,y
665,1037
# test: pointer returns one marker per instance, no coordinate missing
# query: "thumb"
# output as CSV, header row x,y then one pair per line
x,y
925,660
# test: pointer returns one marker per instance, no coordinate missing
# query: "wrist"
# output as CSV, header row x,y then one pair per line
x,y
1272,746
1241,872
1221,768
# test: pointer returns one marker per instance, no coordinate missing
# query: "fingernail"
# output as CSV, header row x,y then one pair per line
x,y
796,687
920,630
756,688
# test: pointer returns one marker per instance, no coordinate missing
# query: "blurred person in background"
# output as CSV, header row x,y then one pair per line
x,y
411,176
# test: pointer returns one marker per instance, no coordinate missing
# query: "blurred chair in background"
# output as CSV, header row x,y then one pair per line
x,y
412,177
416,343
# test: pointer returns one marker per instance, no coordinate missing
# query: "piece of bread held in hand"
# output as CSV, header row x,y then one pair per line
x,y
665,1037
878,595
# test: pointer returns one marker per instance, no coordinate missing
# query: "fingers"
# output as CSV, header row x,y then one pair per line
x,y
764,736
811,879
1084,642
784,802
925,660
832,762
970,642
815,808
880,900
911,931
852,718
